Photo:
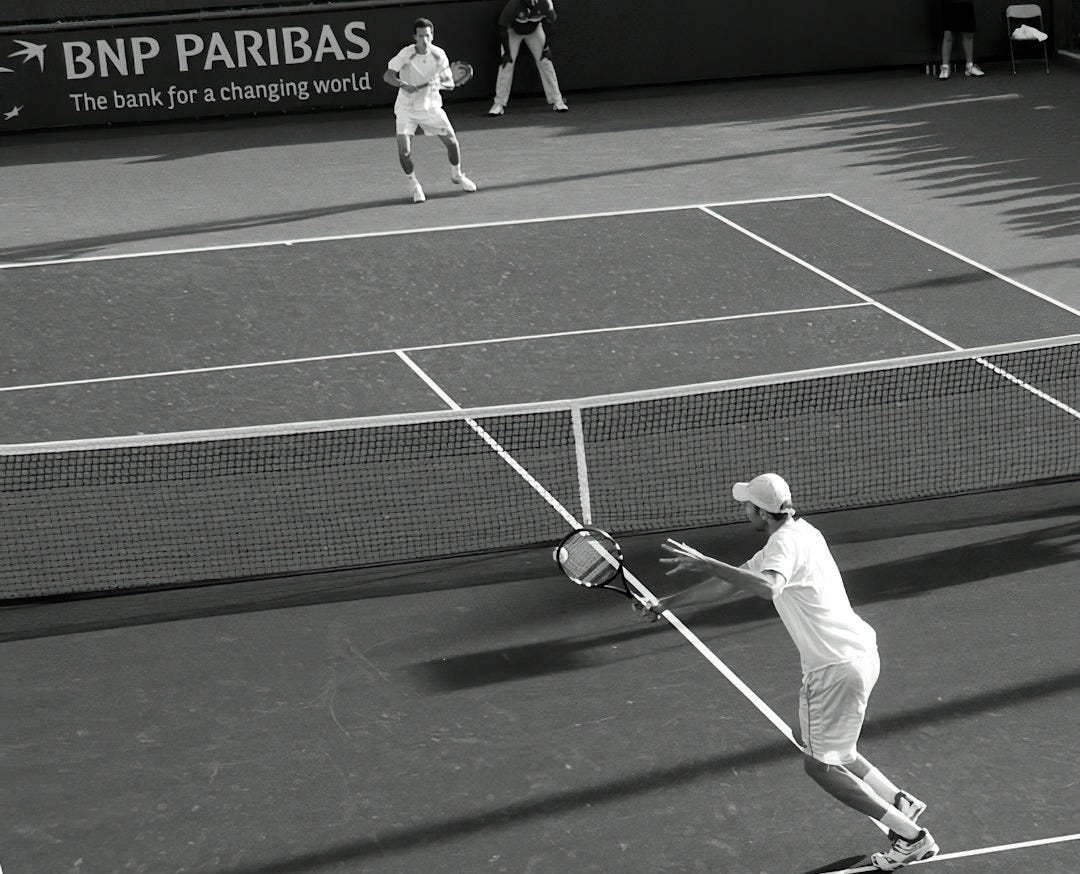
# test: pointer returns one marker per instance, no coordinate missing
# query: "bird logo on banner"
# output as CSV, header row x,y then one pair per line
x,y
29,51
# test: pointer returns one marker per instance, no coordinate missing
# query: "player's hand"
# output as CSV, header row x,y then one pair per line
x,y
504,57
407,88
647,612
681,560
546,53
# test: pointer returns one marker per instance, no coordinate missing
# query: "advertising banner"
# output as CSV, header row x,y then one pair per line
x,y
229,66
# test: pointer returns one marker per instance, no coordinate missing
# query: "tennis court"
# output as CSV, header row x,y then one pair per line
x,y
475,712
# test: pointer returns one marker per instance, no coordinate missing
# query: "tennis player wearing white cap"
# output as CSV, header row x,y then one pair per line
x,y
837,649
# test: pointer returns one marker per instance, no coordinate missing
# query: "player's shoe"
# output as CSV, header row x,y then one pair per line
x,y
974,70
417,193
464,181
496,109
560,106
908,805
903,852
944,74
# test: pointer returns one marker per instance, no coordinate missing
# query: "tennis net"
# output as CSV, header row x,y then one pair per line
x,y
175,509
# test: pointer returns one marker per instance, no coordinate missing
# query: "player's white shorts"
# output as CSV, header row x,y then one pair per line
x,y
832,706
433,121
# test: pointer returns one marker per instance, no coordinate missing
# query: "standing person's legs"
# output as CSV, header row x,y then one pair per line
x,y
946,54
405,129
404,149
537,41
453,148
832,707
967,40
970,67
438,123
504,79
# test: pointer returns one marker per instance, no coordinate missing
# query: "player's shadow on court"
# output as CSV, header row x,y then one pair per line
x,y
838,865
641,783
509,664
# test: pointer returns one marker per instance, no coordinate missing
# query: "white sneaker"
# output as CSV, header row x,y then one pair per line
x,y
418,193
974,70
464,181
903,852
944,74
560,106
496,109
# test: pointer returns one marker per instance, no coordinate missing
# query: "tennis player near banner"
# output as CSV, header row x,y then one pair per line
x,y
837,649
421,72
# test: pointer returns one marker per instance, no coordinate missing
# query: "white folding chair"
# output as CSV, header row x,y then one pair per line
x,y
1019,20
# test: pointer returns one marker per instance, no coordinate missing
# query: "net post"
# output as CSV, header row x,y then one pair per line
x,y
582,465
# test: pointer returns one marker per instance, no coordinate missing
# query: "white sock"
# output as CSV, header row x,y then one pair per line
x,y
897,822
412,178
455,169
881,784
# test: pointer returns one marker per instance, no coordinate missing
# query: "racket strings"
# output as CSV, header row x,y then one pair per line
x,y
590,560
461,71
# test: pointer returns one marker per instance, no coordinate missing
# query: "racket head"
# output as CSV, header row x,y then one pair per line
x,y
589,557
461,71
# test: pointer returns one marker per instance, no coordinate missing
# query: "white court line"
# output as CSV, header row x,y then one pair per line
x,y
981,851
927,241
910,322
830,278
399,232
459,343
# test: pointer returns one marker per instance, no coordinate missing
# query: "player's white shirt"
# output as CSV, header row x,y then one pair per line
x,y
416,69
811,598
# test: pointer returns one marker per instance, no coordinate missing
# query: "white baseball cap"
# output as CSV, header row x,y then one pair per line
x,y
768,491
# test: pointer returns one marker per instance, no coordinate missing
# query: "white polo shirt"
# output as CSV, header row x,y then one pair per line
x,y
811,598
416,69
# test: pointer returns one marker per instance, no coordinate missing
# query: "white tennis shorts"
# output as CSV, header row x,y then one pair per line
x,y
832,707
433,121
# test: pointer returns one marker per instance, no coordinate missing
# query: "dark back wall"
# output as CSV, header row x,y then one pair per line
x,y
596,45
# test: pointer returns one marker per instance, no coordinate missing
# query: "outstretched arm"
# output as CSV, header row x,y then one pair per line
x,y
720,573
711,590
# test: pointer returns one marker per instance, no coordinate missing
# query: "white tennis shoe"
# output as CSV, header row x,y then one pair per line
x,y
560,106
497,109
464,181
903,852
417,193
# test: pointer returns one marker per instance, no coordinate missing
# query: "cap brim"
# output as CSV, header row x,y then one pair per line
x,y
741,492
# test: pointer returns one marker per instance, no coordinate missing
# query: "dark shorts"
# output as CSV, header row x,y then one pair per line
x,y
958,16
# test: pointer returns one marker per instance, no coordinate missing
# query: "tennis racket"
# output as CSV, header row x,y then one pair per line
x,y
461,71
592,558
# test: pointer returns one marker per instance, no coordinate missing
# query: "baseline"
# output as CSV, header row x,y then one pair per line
x,y
15,265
